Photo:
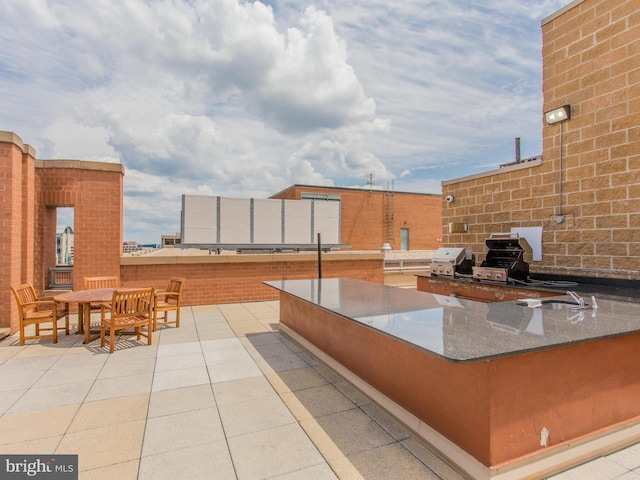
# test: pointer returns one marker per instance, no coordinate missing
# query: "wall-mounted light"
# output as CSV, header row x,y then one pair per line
x,y
558,115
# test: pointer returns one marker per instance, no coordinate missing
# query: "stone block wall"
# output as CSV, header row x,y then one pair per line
x,y
590,172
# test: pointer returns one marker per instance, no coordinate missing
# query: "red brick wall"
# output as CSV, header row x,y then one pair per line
x,y
591,61
365,214
12,250
216,280
95,190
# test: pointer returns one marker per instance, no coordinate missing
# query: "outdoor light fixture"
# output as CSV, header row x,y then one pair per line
x,y
558,115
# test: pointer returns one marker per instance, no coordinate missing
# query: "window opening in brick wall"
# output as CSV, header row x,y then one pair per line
x,y
64,236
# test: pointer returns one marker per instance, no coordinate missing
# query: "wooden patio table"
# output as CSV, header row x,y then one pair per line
x,y
84,299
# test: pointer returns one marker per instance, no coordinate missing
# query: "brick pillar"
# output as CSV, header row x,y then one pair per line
x,y
11,213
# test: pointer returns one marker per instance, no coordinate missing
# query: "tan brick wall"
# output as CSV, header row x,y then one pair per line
x,y
233,279
364,223
591,61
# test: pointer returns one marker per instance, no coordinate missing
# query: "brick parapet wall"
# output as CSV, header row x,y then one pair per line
x,y
234,279
591,61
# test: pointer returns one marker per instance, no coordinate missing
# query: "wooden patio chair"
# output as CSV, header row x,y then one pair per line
x,y
168,300
129,309
37,311
94,283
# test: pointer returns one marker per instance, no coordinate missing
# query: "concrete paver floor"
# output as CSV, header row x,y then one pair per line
x,y
225,396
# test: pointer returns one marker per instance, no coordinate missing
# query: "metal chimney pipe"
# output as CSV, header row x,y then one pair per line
x,y
517,149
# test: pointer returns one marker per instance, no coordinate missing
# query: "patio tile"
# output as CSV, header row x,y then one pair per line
x,y
254,415
222,344
320,401
110,412
352,393
600,469
221,357
120,387
233,371
273,452
109,445
353,431
390,461
179,349
297,379
216,334
182,430
9,397
179,362
428,457
209,461
383,419
128,354
178,400
317,472
186,377
628,457
25,426
24,364
37,446
281,363
60,375
49,397
242,390
127,367
14,379
121,471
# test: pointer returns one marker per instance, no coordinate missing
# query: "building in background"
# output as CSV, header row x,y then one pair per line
x,y
371,218
64,246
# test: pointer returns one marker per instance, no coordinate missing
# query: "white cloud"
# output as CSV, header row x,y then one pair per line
x,y
245,98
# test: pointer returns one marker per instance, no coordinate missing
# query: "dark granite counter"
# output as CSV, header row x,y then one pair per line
x,y
460,330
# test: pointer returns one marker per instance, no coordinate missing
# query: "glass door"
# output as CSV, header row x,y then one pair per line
x,y
404,239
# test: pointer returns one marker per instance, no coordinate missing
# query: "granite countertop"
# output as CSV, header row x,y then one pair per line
x,y
461,330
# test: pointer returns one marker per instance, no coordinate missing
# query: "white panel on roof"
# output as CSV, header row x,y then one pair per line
x,y
297,221
326,221
235,220
267,221
200,219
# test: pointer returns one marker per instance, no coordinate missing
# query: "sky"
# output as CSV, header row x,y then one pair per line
x,y
241,99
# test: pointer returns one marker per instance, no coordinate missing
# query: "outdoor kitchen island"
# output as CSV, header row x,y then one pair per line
x,y
502,390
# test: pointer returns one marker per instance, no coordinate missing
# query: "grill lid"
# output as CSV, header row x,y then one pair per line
x,y
510,245
454,256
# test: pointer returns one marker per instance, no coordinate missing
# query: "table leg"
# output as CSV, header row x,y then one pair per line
x,y
87,322
80,327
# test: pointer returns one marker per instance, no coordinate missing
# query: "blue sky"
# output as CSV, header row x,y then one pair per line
x,y
221,97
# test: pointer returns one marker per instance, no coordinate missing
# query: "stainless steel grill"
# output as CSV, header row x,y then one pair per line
x,y
506,259
447,262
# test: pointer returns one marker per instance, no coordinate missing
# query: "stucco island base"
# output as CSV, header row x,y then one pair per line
x,y
487,417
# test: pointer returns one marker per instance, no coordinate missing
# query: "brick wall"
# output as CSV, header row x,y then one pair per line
x,y
12,250
371,218
95,191
591,61
238,278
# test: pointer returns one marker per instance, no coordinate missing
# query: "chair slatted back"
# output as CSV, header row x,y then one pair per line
x,y
24,295
92,283
129,303
176,284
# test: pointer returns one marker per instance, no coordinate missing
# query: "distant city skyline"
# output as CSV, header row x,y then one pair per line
x,y
245,99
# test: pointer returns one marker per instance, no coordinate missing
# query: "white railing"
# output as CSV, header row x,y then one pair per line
x,y
402,264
